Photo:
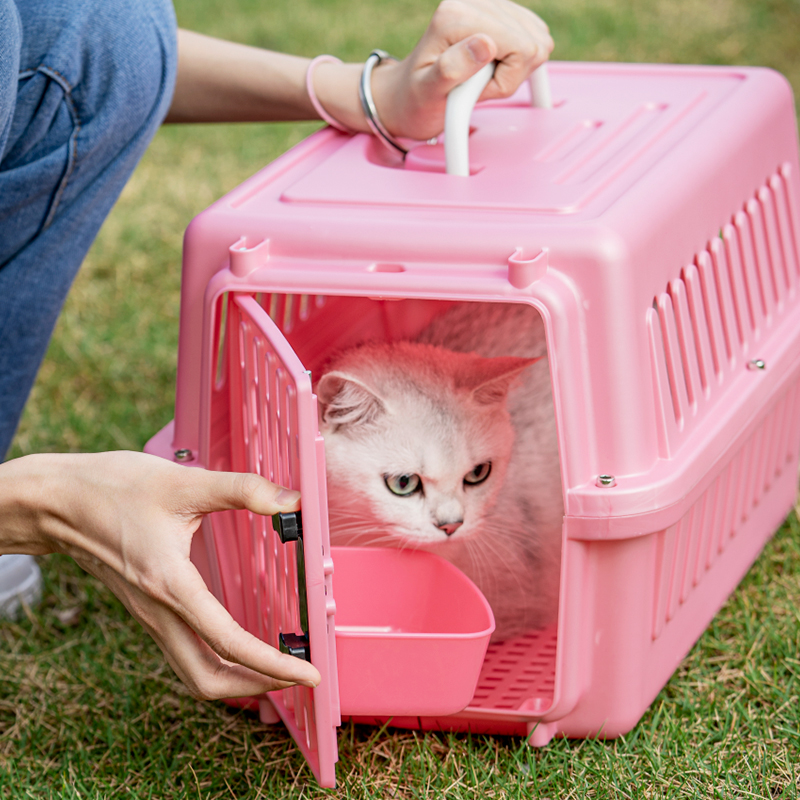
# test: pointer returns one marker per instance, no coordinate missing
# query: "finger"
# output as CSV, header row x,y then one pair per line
x,y
205,615
514,66
219,491
520,44
208,671
461,61
513,28
522,16
509,74
202,671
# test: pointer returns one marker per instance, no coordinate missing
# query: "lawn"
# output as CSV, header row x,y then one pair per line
x,y
89,709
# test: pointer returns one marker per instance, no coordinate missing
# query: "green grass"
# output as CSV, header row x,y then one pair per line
x,y
88,708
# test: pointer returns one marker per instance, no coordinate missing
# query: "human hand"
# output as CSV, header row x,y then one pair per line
x,y
222,81
463,36
129,518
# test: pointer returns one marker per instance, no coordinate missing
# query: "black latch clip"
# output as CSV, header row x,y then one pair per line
x,y
289,527
295,645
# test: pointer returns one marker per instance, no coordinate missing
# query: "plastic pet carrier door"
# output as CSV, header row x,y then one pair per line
x,y
274,429
412,629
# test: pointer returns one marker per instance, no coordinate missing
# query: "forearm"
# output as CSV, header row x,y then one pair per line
x,y
221,81
49,500
23,485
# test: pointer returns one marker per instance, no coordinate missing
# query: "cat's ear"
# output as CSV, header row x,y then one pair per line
x,y
489,379
347,402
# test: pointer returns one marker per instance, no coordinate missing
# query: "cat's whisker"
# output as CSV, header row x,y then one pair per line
x,y
356,530
480,550
364,538
473,547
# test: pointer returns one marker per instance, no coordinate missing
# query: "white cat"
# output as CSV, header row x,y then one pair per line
x,y
449,444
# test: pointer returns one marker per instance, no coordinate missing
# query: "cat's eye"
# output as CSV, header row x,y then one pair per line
x,y
403,485
479,474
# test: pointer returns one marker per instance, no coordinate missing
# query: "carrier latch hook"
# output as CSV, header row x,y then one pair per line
x,y
289,527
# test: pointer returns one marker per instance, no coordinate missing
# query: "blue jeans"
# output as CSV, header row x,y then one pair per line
x,y
84,85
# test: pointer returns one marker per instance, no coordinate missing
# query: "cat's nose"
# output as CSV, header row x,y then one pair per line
x,y
450,527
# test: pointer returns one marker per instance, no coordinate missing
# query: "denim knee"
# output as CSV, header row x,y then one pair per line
x,y
96,79
95,82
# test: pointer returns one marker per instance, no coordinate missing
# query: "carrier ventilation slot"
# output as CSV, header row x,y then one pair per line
x,y
289,310
686,551
712,318
518,675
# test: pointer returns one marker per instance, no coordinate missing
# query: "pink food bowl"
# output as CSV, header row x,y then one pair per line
x,y
411,632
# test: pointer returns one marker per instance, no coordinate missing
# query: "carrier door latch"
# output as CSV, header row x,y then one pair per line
x,y
289,527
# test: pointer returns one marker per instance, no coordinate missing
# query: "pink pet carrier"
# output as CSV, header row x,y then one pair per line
x,y
650,216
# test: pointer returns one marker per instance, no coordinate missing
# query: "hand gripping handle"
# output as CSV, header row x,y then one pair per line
x,y
460,103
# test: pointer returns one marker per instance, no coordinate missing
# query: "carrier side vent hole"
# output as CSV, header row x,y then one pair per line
x,y
385,267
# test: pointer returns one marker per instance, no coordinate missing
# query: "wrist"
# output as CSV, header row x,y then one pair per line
x,y
25,513
384,81
336,87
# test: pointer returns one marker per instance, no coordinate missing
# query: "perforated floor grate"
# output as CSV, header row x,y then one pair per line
x,y
519,671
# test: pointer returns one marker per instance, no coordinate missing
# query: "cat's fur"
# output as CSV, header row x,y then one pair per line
x,y
435,408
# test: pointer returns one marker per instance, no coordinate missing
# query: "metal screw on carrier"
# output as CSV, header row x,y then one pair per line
x,y
757,363
184,455
606,481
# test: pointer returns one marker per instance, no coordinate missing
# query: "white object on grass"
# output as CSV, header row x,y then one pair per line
x,y
20,582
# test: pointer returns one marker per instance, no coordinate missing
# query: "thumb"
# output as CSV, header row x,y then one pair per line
x,y
462,60
234,490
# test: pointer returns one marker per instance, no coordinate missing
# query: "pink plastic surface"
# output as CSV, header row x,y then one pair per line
x,y
651,217
274,433
411,632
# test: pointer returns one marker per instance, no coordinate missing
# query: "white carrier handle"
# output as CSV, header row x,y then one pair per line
x,y
460,103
